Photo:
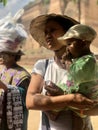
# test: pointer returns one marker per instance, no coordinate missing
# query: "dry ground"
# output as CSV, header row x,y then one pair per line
x,y
33,120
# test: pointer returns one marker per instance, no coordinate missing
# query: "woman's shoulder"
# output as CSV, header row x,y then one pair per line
x,y
20,75
21,71
39,66
42,62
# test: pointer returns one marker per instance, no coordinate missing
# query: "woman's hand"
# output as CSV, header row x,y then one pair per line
x,y
77,100
81,102
52,90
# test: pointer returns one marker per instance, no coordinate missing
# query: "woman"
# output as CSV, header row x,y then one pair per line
x,y
46,29
14,79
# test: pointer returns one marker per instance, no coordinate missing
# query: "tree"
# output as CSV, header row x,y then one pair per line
x,y
4,2
78,2
79,8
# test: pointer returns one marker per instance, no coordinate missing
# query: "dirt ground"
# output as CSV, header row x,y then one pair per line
x,y
34,121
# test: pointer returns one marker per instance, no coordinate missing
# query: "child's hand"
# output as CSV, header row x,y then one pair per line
x,y
52,89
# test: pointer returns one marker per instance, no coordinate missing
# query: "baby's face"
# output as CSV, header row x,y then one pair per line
x,y
75,47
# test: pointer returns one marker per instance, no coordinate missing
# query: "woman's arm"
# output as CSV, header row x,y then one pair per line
x,y
3,86
92,112
35,100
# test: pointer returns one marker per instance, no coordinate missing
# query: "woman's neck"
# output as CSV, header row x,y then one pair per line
x,y
58,57
60,52
10,65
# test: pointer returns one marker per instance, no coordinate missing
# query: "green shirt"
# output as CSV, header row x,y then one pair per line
x,y
82,77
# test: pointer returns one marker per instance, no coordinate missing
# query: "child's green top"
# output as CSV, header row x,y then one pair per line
x,y
82,77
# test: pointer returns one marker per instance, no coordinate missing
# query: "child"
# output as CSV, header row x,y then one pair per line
x,y
83,67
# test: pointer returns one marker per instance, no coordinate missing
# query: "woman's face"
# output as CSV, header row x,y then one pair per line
x,y
53,30
6,59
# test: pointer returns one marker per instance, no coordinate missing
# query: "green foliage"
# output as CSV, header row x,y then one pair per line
x,y
46,1
4,2
75,1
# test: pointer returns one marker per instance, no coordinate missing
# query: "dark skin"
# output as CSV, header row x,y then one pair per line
x,y
7,59
75,48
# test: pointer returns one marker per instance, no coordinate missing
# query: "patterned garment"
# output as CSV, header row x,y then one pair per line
x,y
15,76
14,108
83,77
1,105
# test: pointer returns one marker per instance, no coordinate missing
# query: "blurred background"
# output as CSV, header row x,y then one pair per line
x,y
85,11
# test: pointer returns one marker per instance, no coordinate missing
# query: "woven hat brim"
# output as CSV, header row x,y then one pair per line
x,y
37,27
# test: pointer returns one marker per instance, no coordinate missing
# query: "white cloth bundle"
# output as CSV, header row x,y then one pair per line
x,y
12,33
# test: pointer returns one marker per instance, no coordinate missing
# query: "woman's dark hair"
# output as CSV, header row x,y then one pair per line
x,y
17,57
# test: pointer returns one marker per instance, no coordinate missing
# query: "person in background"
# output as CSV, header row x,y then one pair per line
x,y
14,79
45,29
